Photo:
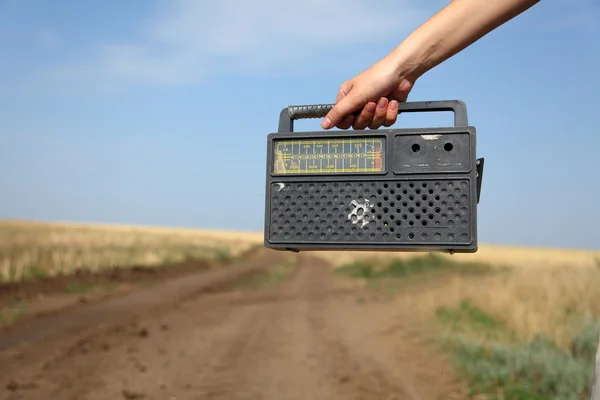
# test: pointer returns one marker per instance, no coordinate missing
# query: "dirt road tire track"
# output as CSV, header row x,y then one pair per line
x,y
157,298
301,339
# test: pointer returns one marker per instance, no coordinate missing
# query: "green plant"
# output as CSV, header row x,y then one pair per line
x,y
535,370
468,313
585,343
76,288
358,269
264,278
279,273
223,255
401,268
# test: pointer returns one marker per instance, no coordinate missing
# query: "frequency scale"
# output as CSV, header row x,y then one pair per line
x,y
385,189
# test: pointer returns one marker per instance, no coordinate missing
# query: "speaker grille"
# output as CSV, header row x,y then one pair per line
x,y
408,211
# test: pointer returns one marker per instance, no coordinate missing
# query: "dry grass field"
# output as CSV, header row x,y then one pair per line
x,y
29,249
556,302
34,248
494,255
516,331
554,291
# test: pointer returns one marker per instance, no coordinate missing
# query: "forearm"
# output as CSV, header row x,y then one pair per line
x,y
455,27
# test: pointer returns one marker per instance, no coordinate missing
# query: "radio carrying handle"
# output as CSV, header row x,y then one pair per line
x,y
291,113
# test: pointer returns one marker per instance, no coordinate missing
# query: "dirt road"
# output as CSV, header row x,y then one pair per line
x,y
194,337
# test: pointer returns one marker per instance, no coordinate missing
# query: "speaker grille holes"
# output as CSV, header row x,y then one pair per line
x,y
417,211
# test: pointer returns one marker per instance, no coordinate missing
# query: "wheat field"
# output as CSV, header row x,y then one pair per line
x,y
555,301
43,248
495,255
29,249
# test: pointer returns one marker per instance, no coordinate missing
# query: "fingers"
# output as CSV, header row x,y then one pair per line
x,y
343,108
380,113
342,92
391,114
376,115
346,122
373,115
365,117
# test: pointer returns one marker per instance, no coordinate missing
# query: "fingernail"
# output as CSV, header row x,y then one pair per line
x,y
382,103
394,105
370,107
326,124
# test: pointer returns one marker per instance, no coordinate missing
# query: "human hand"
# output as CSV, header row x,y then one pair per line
x,y
377,91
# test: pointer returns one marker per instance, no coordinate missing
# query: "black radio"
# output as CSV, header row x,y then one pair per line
x,y
384,189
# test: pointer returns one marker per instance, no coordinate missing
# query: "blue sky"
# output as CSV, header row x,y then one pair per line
x,y
136,112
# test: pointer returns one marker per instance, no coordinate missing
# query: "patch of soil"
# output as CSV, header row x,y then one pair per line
x,y
302,338
127,306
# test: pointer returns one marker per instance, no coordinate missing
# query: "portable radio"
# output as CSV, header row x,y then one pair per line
x,y
385,189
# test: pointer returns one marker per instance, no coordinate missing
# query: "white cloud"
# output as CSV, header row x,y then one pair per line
x,y
195,39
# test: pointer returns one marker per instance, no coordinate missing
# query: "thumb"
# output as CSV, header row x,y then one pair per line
x,y
343,108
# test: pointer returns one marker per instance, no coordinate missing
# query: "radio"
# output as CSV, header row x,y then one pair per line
x,y
384,189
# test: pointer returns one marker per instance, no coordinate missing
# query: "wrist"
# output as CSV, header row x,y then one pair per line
x,y
409,63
